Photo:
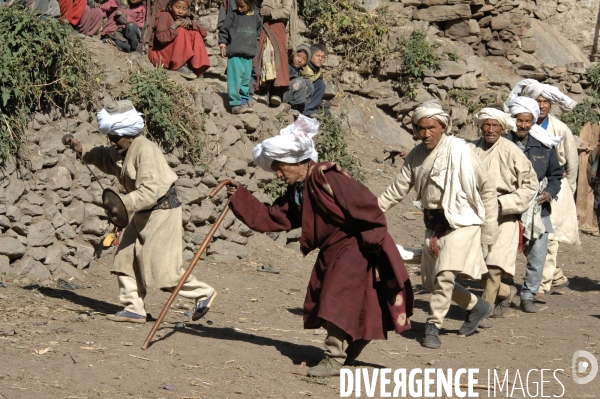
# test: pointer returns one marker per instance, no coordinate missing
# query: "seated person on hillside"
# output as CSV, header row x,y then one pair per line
x,y
125,20
177,42
312,71
300,90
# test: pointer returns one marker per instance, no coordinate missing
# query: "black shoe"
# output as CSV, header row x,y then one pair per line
x,y
504,305
202,307
480,311
432,336
528,306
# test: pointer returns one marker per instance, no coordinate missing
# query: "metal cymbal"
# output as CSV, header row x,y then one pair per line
x,y
115,208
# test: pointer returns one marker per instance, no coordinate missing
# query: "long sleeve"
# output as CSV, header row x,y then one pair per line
x,y
402,184
259,24
103,157
489,197
572,155
554,173
163,32
361,209
283,11
263,217
224,34
517,202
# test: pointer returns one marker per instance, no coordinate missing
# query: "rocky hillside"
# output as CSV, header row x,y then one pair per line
x,y
50,216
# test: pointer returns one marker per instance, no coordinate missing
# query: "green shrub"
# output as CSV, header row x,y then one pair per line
x,y
42,65
593,75
582,114
418,55
274,189
340,23
331,146
172,118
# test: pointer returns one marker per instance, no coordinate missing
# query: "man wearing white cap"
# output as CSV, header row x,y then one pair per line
x,y
460,210
516,184
537,145
359,288
149,254
565,222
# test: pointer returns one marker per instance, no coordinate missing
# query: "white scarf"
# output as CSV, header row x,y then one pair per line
x,y
526,105
293,144
533,89
508,123
128,123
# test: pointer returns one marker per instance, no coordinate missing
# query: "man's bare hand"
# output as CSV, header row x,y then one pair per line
x,y
223,51
72,143
232,187
265,12
544,197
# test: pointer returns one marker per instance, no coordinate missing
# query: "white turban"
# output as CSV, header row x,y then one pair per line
x,y
526,105
507,122
129,123
533,89
431,109
293,144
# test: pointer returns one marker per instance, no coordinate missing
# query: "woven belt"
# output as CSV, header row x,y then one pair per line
x,y
167,201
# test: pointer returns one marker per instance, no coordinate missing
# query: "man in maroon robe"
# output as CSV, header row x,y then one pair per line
x,y
359,288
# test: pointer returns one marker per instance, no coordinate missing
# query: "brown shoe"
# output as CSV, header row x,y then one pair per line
x,y
559,287
540,297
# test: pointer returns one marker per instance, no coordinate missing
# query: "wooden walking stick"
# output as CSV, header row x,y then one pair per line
x,y
187,273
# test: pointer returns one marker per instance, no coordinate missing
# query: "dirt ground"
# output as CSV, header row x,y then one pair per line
x,y
252,344
56,343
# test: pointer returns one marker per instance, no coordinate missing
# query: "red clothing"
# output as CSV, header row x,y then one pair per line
x,y
91,21
175,48
364,293
275,31
72,10
136,15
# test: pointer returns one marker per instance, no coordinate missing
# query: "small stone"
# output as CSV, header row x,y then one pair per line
x,y
11,247
41,234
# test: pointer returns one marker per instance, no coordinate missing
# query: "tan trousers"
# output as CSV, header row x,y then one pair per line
x,y
132,292
552,274
337,346
493,287
445,290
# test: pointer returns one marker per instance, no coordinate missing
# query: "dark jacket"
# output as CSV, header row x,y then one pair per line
x,y
592,172
240,32
294,73
545,163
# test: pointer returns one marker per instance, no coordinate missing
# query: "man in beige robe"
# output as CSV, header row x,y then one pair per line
x,y
149,254
516,184
564,222
461,215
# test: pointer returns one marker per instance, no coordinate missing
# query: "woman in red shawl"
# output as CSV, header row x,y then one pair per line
x,y
177,42
359,288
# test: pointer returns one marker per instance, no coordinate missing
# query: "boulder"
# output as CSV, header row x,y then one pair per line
x,y
13,191
94,226
4,222
452,69
91,210
459,115
443,13
13,213
475,65
59,178
41,234
37,253
500,22
251,122
28,267
467,81
553,47
226,248
193,195
75,212
11,247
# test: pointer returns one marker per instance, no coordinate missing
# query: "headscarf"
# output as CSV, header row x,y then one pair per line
x,y
533,89
129,123
431,109
526,105
508,123
306,49
293,144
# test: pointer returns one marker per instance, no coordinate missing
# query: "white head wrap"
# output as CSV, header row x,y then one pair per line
x,y
293,144
533,89
508,123
129,123
431,109
526,105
